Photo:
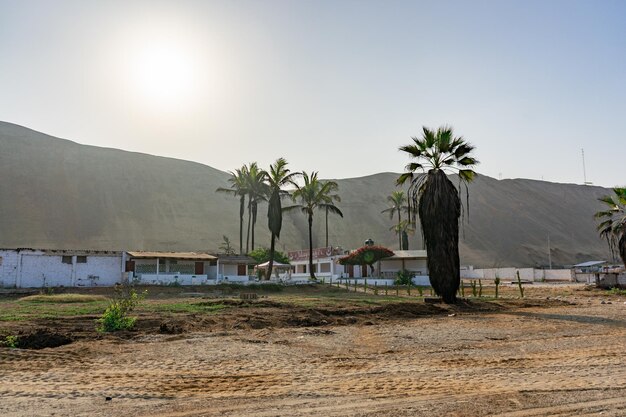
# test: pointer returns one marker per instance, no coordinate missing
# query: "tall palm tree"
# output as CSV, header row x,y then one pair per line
x,y
277,177
397,204
613,224
328,209
312,195
238,188
437,200
256,190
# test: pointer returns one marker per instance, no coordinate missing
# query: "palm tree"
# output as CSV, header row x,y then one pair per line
x,y
225,246
437,201
278,177
397,201
238,188
613,224
314,194
256,190
328,208
403,229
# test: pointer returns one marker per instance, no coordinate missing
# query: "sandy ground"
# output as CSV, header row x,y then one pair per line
x,y
558,360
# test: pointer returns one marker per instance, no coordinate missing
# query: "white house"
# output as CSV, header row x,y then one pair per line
x,y
35,268
168,268
326,265
234,268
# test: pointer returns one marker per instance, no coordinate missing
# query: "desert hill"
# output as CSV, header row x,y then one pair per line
x,y
59,194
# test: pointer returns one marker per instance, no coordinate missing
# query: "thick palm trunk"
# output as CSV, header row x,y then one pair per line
x,y
399,231
326,226
249,223
439,211
622,248
242,210
271,264
311,246
254,213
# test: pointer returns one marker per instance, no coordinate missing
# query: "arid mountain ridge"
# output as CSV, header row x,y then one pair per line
x,y
58,194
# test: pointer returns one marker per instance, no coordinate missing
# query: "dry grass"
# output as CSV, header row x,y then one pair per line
x,y
63,298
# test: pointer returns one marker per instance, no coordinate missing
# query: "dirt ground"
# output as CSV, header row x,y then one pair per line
x,y
534,357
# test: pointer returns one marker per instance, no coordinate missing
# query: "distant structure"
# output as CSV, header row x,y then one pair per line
x,y
585,182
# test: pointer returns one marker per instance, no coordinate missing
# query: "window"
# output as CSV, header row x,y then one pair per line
x,y
66,259
81,259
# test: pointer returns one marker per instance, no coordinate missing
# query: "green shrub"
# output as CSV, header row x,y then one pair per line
x,y
497,282
11,341
403,278
116,317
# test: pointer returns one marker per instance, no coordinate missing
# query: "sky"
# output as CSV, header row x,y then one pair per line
x,y
333,86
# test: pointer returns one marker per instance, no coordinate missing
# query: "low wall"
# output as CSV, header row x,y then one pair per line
x,y
526,274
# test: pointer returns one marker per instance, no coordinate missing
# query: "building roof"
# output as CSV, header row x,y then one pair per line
x,y
408,254
275,265
589,263
173,255
236,259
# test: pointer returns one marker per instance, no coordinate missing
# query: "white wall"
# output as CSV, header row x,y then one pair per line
x,y
9,268
33,269
526,274
98,271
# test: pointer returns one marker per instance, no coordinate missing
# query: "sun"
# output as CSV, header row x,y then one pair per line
x,y
163,73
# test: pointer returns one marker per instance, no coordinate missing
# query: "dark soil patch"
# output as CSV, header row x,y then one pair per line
x,y
42,338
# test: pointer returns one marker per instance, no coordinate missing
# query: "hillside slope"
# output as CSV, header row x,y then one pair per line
x,y
58,194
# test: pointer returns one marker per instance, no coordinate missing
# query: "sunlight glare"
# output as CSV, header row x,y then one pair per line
x,y
163,72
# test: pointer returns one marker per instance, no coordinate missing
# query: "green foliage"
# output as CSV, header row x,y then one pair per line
x,y
474,291
435,198
261,255
612,219
116,317
366,255
497,282
480,288
617,291
11,341
226,246
403,278
62,298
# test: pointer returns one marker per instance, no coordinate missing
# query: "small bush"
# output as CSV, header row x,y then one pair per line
x,y
11,341
116,317
403,278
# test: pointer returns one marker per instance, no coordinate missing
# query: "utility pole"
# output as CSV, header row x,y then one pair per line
x,y
549,254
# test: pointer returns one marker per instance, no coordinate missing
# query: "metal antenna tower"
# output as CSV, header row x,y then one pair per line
x,y
585,182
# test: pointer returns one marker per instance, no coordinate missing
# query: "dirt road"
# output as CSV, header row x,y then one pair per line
x,y
558,361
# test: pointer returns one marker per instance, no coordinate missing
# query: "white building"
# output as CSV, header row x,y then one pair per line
x,y
187,268
35,268
235,268
326,266
171,268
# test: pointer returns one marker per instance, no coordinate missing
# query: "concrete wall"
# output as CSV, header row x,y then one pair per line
x,y
8,268
35,269
526,274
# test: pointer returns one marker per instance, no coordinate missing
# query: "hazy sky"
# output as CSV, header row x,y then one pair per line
x,y
335,86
